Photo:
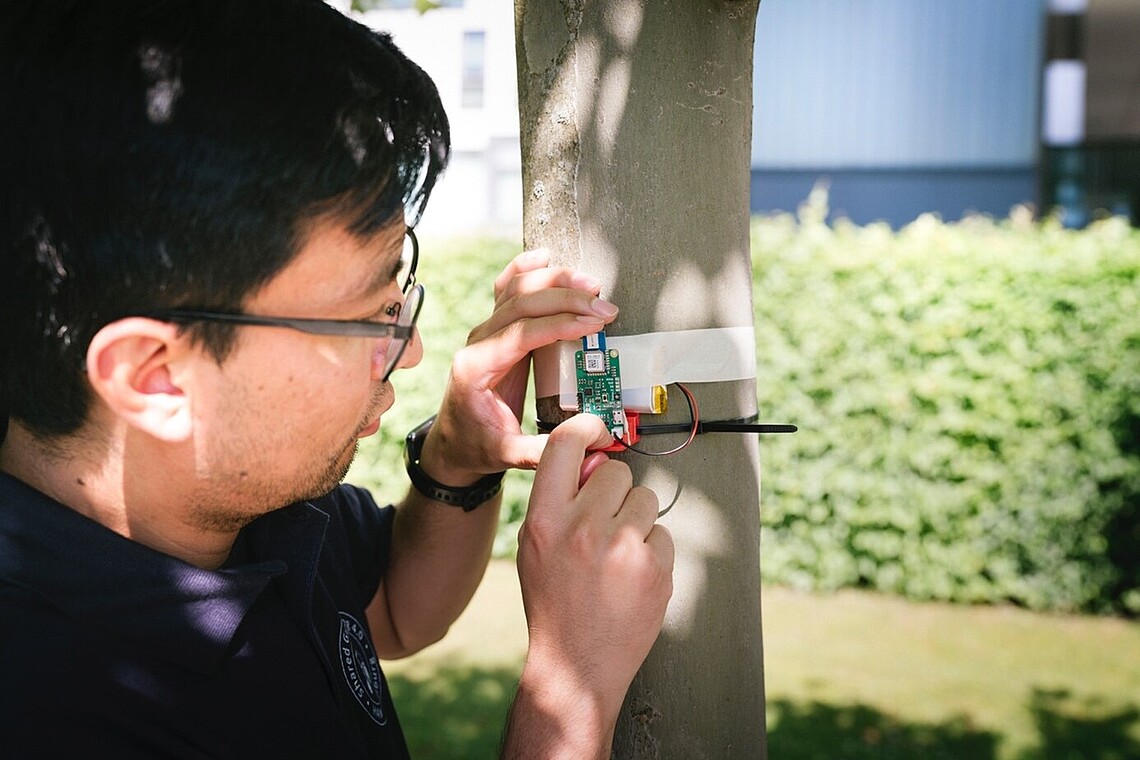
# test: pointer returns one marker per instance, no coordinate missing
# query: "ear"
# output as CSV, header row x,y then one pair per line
x,y
131,365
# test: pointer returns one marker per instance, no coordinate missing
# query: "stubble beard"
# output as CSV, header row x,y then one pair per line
x,y
238,498
243,499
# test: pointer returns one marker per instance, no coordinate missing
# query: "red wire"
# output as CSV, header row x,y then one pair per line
x,y
694,413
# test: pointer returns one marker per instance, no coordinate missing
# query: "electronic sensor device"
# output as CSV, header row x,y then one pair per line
x,y
598,372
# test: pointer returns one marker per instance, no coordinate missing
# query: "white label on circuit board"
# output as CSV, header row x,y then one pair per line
x,y
595,362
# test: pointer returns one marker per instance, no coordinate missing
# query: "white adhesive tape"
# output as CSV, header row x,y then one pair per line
x,y
710,355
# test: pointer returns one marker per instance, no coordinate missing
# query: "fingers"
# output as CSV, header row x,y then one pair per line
x,y
526,261
522,451
593,312
529,288
559,468
592,462
592,486
554,300
567,314
639,509
487,358
544,279
535,305
660,542
531,270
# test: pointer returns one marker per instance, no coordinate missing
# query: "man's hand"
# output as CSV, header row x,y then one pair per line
x,y
596,574
439,553
477,429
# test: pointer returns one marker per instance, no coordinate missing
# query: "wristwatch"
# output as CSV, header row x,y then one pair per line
x,y
467,497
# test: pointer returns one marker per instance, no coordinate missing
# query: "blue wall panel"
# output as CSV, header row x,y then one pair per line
x,y
899,84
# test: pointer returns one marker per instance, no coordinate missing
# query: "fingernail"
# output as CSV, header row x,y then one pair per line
x,y
604,308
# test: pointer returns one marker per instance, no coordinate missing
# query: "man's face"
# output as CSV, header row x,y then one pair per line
x,y
286,407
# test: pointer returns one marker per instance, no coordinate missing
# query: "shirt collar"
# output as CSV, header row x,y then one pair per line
x,y
92,574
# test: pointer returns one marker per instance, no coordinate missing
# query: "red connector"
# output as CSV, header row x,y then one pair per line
x,y
631,436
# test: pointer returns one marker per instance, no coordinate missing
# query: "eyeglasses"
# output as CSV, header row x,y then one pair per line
x,y
409,258
399,332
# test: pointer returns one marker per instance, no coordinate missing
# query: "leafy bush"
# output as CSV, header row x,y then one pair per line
x,y
968,397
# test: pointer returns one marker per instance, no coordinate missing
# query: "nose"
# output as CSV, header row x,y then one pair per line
x,y
414,353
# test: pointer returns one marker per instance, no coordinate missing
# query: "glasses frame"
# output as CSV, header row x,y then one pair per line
x,y
410,234
400,331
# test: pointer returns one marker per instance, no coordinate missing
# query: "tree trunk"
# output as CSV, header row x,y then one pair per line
x,y
636,120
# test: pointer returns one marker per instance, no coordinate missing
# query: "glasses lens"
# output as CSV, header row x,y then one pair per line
x,y
409,257
409,313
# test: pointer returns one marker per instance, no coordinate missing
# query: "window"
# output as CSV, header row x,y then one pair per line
x,y
474,46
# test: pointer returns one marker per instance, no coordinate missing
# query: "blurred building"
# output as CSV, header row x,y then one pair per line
x,y
468,48
1090,160
900,106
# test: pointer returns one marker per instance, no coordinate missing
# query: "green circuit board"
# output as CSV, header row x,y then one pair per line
x,y
598,372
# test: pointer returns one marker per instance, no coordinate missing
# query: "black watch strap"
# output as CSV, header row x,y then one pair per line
x,y
467,497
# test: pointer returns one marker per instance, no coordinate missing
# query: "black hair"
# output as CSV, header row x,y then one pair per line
x,y
168,153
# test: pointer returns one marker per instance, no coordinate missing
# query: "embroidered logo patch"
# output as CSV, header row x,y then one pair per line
x,y
361,670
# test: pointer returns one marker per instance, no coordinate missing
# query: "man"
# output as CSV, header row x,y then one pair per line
x,y
206,226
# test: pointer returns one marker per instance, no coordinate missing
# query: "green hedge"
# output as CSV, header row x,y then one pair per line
x,y
968,397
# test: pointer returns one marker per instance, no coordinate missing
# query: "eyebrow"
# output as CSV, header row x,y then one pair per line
x,y
384,275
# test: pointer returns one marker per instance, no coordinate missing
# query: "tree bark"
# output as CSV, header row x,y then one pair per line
x,y
636,120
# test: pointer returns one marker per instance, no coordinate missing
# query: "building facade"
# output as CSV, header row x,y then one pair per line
x,y
901,107
468,48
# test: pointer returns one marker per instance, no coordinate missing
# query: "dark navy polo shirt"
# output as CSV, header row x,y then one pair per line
x,y
111,649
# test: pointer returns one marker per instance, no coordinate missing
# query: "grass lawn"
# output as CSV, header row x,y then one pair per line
x,y
848,675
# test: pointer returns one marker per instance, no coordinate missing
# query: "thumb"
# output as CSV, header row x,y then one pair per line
x,y
523,451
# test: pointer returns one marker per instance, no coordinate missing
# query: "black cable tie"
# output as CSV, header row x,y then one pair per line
x,y
738,425
747,425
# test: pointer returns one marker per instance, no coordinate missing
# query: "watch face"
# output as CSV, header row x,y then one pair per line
x,y
414,442
417,434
